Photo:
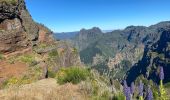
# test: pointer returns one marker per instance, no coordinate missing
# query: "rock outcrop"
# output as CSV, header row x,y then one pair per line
x,y
23,40
17,28
86,37
155,56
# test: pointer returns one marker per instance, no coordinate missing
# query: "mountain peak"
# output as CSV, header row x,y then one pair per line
x,y
95,30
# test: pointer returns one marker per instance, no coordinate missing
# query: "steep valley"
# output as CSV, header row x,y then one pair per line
x,y
119,49
90,64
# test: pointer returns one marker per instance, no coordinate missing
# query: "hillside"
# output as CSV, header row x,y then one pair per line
x,y
36,64
118,48
28,49
155,56
46,89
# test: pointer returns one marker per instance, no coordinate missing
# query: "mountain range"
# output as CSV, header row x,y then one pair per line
x,y
121,51
90,64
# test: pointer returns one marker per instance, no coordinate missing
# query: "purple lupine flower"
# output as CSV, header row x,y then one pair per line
x,y
125,83
161,73
149,94
141,89
126,90
132,88
128,96
124,87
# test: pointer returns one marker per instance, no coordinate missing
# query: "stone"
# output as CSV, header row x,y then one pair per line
x,y
44,69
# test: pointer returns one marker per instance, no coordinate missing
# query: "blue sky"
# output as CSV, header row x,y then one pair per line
x,y
73,15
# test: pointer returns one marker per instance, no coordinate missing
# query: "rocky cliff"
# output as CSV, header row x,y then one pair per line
x,y
18,30
156,55
86,37
28,48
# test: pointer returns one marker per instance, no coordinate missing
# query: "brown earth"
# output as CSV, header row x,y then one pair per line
x,y
9,70
17,53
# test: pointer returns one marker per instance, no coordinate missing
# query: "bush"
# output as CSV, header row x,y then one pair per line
x,y
167,85
118,96
72,74
27,59
10,81
53,53
16,81
51,74
1,56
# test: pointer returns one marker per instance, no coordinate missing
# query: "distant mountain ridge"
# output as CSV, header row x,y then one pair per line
x,y
65,35
70,35
120,49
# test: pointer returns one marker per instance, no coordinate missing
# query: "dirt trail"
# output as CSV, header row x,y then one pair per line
x,y
46,89
19,52
8,70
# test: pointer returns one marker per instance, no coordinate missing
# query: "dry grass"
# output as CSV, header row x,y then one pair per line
x,y
46,89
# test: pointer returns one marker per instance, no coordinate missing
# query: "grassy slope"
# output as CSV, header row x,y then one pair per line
x,y
46,89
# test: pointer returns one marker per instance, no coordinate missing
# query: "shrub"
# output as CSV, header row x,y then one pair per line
x,y
105,95
167,85
1,56
10,81
51,74
16,81
42,45
11,60
118,96
53,53
72,74
27,59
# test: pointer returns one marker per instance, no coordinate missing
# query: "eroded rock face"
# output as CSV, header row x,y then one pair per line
x,y
155,56
44,69
45,34
7,11
9,25
17,28
12,36
13,32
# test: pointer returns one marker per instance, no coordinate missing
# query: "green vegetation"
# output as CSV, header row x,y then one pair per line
x,y
53,53
162,92
33,74
73,74
42,45
167,85
13,2
156,54
119,96
17,81
96,87
51,74
27,58
87,54
1,56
